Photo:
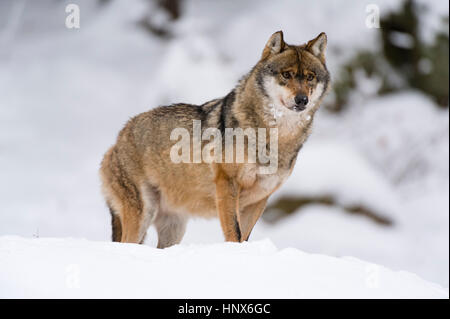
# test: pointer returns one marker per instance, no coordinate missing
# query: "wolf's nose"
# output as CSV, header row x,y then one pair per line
x,y
301,99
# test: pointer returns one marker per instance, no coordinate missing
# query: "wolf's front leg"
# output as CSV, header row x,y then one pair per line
x,y
250,215
227,202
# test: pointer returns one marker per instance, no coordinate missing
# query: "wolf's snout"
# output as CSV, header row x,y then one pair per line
x,y
301,100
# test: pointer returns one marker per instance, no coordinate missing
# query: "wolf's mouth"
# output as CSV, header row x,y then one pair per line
x,y
295,107
299,108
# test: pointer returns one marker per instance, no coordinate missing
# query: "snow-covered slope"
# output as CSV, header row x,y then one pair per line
x,y
65,268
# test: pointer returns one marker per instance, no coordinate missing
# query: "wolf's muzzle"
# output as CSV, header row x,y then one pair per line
x,y
301,99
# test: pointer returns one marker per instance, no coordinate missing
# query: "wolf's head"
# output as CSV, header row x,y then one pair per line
x,y
293,77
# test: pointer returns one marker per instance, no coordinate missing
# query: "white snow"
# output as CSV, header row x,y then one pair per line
x,y
74,268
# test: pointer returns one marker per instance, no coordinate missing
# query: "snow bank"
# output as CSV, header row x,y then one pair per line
x,y
71,268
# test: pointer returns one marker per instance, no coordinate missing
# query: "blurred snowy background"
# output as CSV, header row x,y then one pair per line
x,y
372,182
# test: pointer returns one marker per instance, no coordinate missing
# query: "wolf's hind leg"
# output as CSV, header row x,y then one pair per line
x,y
133,203
132,228
170,228
136,220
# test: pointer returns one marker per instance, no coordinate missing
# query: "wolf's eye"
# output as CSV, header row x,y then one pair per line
x,y
310,77
286,75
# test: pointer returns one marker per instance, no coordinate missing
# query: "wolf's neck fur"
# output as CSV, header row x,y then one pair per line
x,y
253,108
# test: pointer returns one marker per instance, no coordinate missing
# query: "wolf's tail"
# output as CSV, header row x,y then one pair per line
x,y
116,225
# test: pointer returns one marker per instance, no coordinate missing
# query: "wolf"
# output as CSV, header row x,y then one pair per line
x,y
142,186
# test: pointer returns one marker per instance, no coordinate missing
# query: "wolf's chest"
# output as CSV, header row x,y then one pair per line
x,y
265,185
270,182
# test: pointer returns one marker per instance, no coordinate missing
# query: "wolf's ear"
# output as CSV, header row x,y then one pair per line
x,y
274,45
317,46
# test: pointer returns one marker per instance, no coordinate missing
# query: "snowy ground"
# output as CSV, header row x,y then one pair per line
x,y
74,268
64,94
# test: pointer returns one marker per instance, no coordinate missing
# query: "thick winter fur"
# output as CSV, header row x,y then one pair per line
x,y
142,186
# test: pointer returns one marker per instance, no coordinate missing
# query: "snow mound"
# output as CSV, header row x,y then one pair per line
x,y
72,268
